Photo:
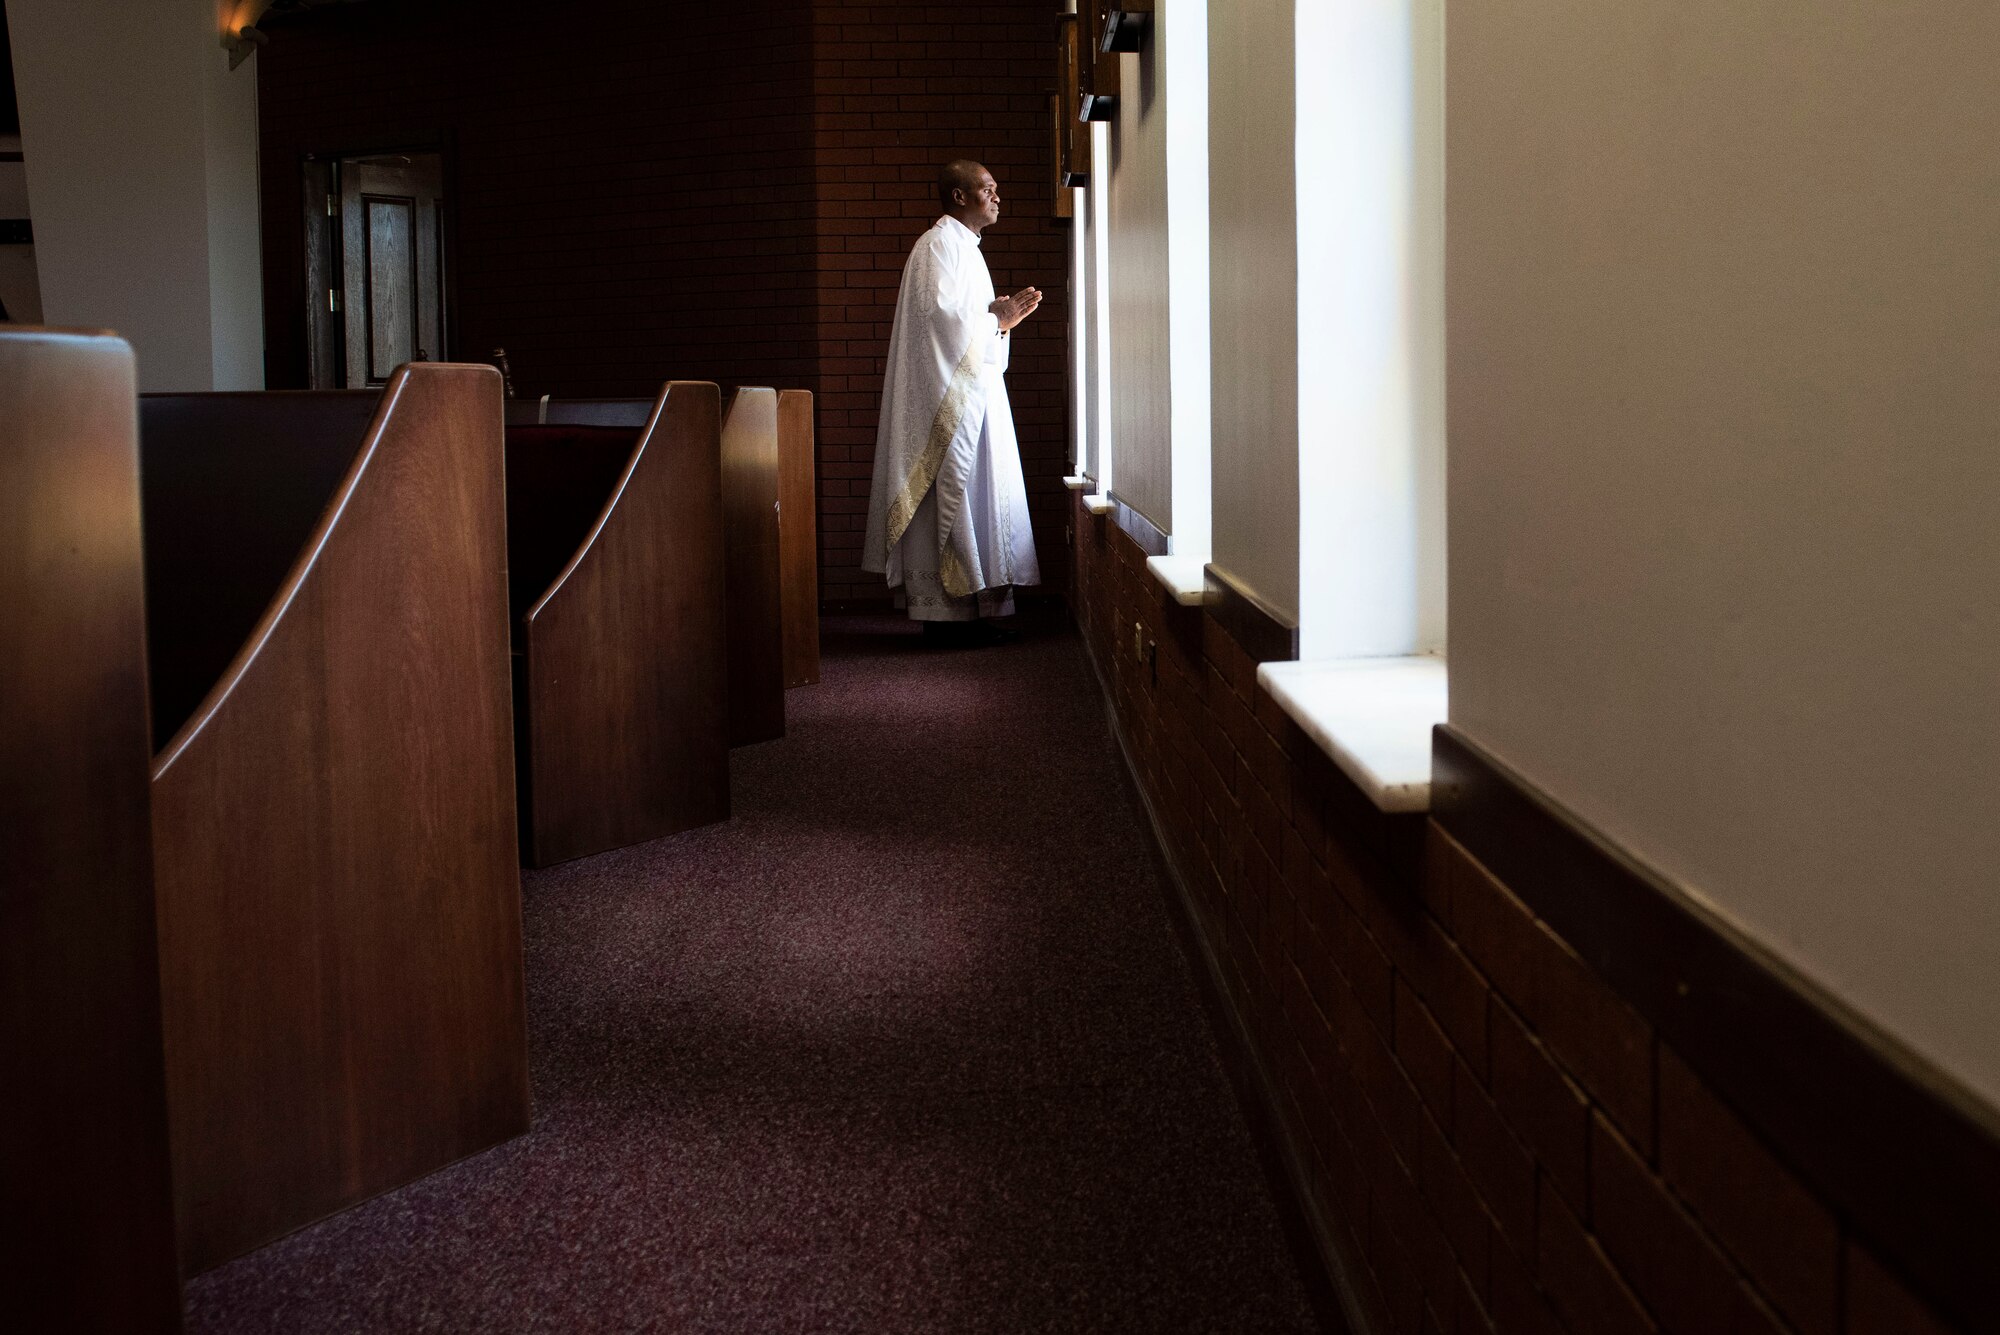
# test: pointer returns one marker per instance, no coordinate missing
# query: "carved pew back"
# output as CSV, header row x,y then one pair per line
x,y
233,486
616,560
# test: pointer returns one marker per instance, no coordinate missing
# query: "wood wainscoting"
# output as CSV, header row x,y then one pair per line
x,y
1496,1107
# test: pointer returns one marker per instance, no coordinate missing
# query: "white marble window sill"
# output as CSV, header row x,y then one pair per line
x,y
1186,577
1077,483
1372,715
1098,504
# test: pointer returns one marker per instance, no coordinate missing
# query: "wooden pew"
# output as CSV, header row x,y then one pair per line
x,y
766,572
84,1171
756,602
798,540
333,814
615,550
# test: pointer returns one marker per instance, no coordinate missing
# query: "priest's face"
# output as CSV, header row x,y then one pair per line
x,y
982,202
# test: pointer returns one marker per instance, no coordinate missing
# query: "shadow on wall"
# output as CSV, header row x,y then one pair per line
x,y
20,293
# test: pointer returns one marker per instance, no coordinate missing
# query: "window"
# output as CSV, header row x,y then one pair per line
x,y
1370,173
1104,450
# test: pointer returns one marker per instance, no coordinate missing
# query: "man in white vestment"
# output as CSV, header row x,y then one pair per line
x,y
948,513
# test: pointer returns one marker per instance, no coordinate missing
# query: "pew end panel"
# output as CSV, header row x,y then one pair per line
x,y
560,478
798,537
750,526
625,683
233,485
84,1113
334,838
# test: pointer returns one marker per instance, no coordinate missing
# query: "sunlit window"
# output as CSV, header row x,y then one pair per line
x,y
1370,172
1103,450
1081,425
1187,274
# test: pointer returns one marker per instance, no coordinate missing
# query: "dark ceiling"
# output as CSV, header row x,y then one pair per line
x,y
10,113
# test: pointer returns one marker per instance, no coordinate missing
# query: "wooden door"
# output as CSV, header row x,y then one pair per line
x,y
392,263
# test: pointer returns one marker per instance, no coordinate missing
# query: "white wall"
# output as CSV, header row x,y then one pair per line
x,y
140,146
1087,210
1253,272
1134,178
1724,337
235,268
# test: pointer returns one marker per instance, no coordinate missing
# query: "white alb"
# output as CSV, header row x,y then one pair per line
x,y
948,512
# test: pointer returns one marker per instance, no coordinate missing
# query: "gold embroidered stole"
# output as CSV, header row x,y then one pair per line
x,y
958,396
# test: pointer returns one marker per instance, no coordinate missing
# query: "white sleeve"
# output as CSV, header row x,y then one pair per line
x,y
957,295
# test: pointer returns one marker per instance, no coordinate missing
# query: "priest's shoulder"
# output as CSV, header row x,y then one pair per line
x,y
939,244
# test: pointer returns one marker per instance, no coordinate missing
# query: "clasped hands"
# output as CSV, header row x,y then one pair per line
x,y
1012,310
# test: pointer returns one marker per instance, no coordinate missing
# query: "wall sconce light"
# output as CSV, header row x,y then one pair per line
x,y
1126,23
240,37
1097,72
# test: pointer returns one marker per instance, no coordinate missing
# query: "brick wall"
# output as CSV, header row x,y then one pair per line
x,y
712,192
632,182
898,89
1492,1140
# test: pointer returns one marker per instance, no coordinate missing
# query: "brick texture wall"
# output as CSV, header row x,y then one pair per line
x,y
632,181
899,88
710,192
1492,1139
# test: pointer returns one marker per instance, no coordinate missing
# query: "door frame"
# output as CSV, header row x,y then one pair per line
x,y
445,145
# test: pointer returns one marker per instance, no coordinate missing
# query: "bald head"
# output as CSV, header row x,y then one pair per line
x,y
961,174
967,192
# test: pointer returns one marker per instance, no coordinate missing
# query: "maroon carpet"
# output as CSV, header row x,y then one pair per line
x,y
907,1045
